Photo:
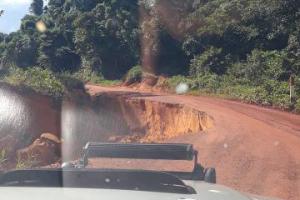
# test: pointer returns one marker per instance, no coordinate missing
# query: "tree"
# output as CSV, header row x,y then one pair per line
x,y
55,54
36,7
21,50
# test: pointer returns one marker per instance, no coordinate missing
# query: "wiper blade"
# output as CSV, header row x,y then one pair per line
x,y
142,180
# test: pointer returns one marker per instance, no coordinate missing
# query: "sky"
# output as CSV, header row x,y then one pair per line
x,y
14,11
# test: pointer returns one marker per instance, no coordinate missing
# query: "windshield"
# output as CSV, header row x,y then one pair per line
x,y
220,75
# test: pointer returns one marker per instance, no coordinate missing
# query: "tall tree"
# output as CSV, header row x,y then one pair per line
x,y
36,7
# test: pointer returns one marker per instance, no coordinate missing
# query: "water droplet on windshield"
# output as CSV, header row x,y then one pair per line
x,y
276,143
182,88
41,26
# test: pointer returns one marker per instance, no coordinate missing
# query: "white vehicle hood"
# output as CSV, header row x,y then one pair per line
x,y
204,192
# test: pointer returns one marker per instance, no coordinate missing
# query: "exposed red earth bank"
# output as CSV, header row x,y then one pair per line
x,y
253,149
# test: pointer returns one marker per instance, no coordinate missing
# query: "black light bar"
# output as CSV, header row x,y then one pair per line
x,y
139,151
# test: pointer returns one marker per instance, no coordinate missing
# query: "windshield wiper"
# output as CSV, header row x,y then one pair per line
x,y
140,180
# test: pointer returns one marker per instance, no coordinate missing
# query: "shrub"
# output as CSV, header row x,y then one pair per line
x,y
280,95
88,76
176,80
41,80
209,81
209,61
3,157
134,75
282,101
71,82
24,163
297,85
246,93
297,106
259,67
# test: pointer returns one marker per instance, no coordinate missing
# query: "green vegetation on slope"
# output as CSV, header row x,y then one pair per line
x,y
41,80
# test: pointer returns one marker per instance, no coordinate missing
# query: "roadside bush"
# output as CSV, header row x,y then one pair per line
x,y
41,80
246,93
3,157
280,95
176,80
88,76
208,82
70,82
210,60
134,75
282,101
297,85
259,67
270,92
297,106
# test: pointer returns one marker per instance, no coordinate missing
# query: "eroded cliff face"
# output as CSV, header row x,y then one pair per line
x,y
25,115
126,117
150,121
106,117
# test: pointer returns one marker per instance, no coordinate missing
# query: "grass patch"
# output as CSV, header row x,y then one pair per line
x,y
24,163
3,157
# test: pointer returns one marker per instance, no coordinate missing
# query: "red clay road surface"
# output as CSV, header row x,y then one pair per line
x,y
253,149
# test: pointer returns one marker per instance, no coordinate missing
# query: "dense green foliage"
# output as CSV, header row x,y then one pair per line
x,y
245,49
99,35
41,80
37,6
134,75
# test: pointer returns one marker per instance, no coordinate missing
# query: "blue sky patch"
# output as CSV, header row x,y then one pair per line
x,y
14,11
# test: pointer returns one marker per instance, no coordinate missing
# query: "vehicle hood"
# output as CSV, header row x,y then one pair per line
x,y
220,192
204,192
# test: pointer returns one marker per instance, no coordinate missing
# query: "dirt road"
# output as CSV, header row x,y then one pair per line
x,y
254,149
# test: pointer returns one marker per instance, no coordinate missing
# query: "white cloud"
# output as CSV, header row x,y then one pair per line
x,y
14,2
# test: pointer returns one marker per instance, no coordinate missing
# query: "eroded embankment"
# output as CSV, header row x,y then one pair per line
x,y
125,117
79,118
24,115
143,120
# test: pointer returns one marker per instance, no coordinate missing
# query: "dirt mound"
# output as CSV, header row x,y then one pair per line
x,y
43,151
26,114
